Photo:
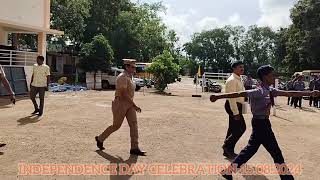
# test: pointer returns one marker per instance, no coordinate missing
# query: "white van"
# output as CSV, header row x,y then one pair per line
x,y
108,79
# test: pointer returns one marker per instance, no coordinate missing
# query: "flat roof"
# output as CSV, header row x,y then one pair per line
x,y
23,28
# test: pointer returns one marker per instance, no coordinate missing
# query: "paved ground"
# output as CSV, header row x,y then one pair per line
x,y
173,129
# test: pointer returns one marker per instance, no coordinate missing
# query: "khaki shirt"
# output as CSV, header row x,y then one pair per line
x,y
234,84
40,74
125,81
2,73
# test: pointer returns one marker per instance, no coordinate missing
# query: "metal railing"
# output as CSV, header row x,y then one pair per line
x,y
222,76
17,58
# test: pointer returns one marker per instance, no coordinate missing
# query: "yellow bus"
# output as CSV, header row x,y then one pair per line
x,y
141,71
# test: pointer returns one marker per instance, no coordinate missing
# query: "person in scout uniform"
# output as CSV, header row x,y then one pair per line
x,y
7,86
124,106
262,99
311,88
233,107
298,86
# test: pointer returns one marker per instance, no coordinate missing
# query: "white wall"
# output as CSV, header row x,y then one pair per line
x,y
29,12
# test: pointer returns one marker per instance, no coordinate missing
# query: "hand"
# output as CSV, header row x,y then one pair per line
x,y
213,98
315,93
13,99
137,109
237,117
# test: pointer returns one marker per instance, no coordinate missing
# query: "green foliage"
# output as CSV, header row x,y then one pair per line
x,y
69,16
97,55
164,70
304,36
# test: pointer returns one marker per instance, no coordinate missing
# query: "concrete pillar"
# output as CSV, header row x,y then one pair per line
x,y
42,44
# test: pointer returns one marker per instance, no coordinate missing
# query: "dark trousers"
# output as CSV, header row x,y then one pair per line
x,y
262,134
316,102
311,101
297,102
236,128
33,93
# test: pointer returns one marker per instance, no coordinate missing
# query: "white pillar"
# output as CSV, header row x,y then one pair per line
x,y
3,37
42,44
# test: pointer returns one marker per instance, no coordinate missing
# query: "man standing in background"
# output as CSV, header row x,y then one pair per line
x,y
233,107
39,84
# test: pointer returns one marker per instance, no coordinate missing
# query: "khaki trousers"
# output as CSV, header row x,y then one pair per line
x,y
120,110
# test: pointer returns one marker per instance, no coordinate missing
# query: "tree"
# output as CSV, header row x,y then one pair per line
x,y
139,33
304,36
96,55
212,48
70,16
258,48
164,70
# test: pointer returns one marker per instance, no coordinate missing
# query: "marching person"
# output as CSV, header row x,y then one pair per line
x,y
298,85
261,101
233,107
7,86
248,83
123,106
39,84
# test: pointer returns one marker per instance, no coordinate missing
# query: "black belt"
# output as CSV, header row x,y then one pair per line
x,y
260,116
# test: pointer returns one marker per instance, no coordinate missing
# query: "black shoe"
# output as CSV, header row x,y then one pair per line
x,y
35,112
229,154
40,114
137,152
2,145
226,175
99,144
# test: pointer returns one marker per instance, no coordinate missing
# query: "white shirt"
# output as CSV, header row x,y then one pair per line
x,y
40,74
234,84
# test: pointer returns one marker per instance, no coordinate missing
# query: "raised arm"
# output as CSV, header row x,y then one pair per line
x,y
214,98
297,93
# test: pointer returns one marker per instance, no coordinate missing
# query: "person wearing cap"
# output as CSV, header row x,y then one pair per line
x,y
233,107
262,99
7,86
123,106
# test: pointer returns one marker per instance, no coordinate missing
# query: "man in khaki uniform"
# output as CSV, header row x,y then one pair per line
x,y
123,106
7,86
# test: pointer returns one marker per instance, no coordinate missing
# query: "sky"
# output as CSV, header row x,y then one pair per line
x,y
189,16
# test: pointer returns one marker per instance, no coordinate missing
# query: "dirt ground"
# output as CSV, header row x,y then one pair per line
x,y
172,129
